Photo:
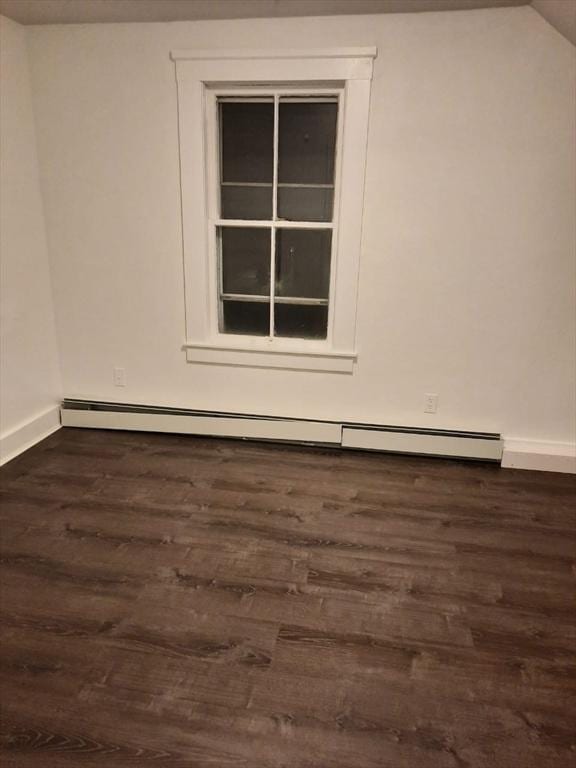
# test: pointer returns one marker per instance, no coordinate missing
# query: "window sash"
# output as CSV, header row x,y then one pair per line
x,y
215,221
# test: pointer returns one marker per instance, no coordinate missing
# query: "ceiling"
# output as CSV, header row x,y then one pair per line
x,y
87,11
560,13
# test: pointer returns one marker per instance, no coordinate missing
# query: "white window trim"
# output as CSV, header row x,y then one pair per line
x,y
201,74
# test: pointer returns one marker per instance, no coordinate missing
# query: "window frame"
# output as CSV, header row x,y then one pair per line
x,y
216,222
202,78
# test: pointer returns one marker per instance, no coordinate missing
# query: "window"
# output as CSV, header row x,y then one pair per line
x,y
274,232
272,225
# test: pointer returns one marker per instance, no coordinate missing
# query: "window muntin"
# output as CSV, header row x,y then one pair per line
x,y
277,182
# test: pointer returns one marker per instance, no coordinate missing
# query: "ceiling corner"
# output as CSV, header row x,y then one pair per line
x,y
561,14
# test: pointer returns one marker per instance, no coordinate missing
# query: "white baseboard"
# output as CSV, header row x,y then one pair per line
x,y
260,428
539,455
366,437
517,454
25,435
434,444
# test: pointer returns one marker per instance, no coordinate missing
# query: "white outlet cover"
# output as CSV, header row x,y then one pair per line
x,y
119,376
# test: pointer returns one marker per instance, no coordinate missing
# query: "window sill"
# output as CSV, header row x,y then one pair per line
x,y
296,360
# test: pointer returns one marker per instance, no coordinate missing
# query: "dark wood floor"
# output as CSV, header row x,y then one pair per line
x,y
197,603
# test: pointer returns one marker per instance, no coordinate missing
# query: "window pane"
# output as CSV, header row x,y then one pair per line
x,y
306,142
303,263
245,260
246,317
247,131
247,157
246,202
301,321
305,203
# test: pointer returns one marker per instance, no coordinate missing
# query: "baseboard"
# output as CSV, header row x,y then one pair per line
x,y
293,430
450,445
422,441
539,455
25,435
545,456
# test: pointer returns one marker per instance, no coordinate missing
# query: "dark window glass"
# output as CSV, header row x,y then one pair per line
x,y
303,262
246,317
239,202
305,203
247,158
247,141
306,142
301,321
245,259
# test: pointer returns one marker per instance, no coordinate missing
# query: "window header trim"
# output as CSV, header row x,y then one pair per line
x,y
369,52
273,66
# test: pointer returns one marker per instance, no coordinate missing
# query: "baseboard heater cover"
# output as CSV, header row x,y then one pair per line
x,y
443,443
204,423
437,443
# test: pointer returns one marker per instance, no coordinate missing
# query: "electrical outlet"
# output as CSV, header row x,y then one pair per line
x,y
430,403
119,377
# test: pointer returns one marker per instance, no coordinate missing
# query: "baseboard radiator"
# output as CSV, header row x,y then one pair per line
x,y
482,446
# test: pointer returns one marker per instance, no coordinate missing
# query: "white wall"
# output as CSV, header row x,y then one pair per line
x,y
30,386
467,284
